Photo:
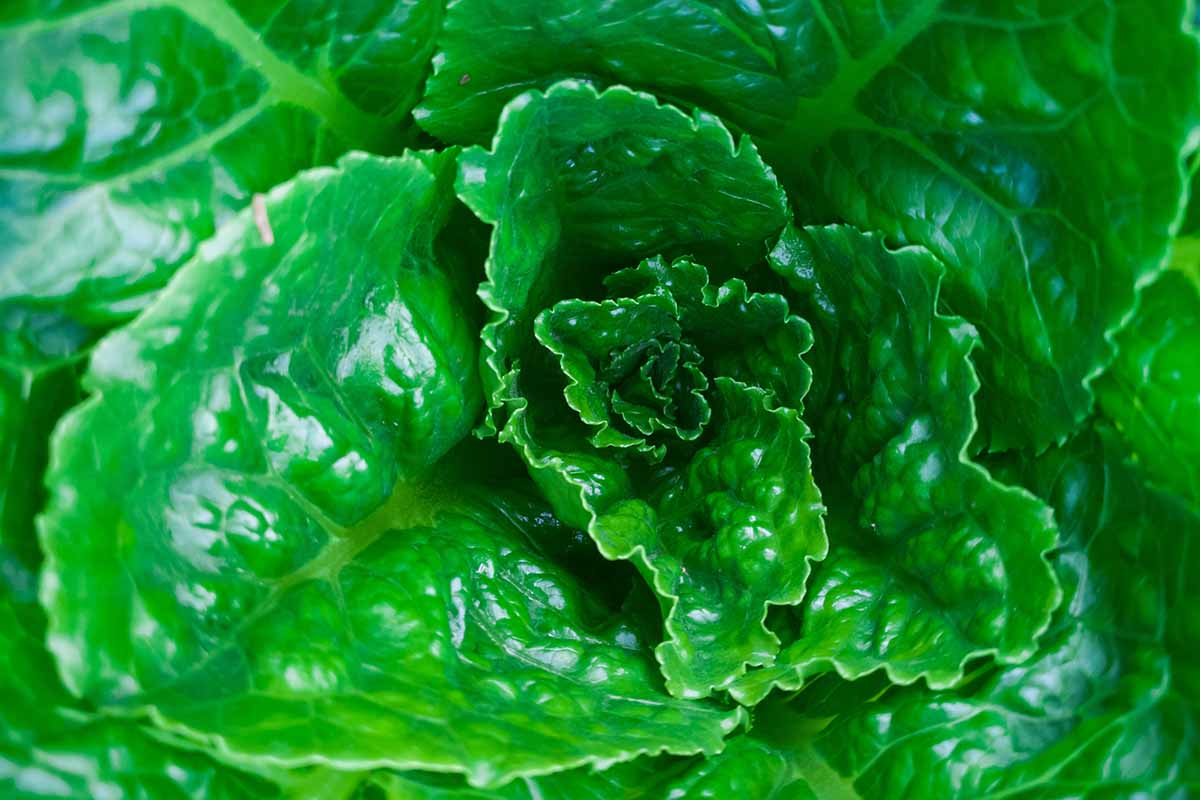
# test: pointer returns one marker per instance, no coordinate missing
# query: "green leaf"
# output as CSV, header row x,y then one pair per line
x,y
1185,256
1107,708
931,561
750,766
651,419
745,62
1152,391
38,382
131,130
50,748
285,579
1036,149
49,745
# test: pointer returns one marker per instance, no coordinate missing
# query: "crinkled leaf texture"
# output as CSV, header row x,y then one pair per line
x,y
748,767
1108,706
1036,148
50,746
1152,391
657,409
245,536
931,560
131,130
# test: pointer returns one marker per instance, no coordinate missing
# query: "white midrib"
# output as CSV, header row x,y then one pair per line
x,y
286,83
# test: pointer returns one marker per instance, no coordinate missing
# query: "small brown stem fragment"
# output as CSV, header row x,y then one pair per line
x,y
261,221
465,79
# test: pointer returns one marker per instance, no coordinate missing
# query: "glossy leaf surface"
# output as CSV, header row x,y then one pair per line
x,y
664,418
749,766
283,577
1108,706
50,746
1152,390
1035,148
931,560
131,130
38,363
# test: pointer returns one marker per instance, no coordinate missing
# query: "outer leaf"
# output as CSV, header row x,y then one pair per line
x,y
749,767
747,63
267,564
931,561
1152,390
1108,707
1035,148
48,748
132,129
37,383
701,479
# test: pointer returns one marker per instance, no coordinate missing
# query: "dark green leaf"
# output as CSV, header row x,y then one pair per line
x,y
1035,148
38,382
1108,706
663,420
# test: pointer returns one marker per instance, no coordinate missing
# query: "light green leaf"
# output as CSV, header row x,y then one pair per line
x,y
931,560
663,420
130,130
270,566
751,766
49,745
50,748
1036,149
1152,391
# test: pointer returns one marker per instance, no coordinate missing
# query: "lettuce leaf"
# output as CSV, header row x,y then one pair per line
x,y
132,130
289,580
932,561
1107,708
1037,150
1152,391
649,418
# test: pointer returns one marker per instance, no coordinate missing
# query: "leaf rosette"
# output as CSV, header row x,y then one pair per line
x,y
281,561
657,407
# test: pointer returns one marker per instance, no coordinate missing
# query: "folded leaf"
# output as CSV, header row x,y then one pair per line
x,y
131,130
749,766
1108,706
1036,150
1152,390
931,560
268,563
664,419
51,746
